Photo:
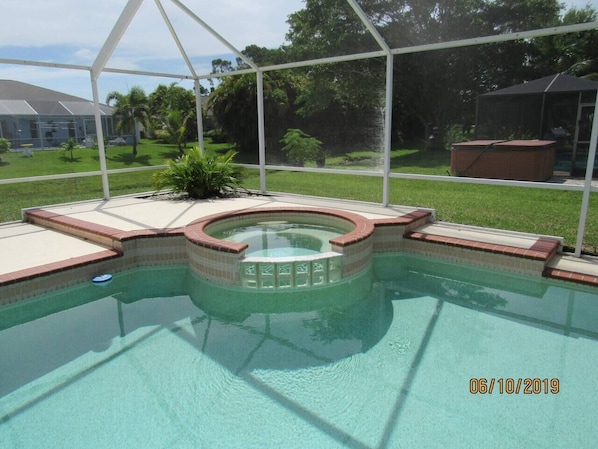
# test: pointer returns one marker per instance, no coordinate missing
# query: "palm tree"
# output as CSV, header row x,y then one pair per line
x,y
130,110
175,122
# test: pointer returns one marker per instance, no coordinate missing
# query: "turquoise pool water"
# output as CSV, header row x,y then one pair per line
x,y
281,238
160,359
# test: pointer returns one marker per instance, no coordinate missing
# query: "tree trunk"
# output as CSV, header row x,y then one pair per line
x,y
134,137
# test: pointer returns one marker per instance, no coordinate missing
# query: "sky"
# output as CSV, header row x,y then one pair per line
x,y
73,31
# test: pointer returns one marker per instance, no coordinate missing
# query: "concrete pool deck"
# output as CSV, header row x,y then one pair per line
x,y
32,250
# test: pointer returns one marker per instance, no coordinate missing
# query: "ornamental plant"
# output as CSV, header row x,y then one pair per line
x,y
200,175
4,145
68,147
301,147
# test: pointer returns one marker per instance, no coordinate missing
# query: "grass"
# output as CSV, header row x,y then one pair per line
x,y
519,209
14,197
49,162
401,161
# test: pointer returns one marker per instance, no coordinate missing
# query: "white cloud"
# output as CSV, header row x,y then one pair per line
x,y
58,22
85,56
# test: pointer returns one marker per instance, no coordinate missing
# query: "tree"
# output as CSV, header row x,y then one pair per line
x,y
339,102
4,145
130,110
220,65
432,90
262,56
175,123
234,104
576,53
173,114
342,103
69,146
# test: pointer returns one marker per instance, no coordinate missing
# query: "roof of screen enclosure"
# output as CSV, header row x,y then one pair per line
x,y
558,83
190,31
524,105
193,32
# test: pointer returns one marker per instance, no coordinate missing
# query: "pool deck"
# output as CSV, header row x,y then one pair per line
x,y
31,250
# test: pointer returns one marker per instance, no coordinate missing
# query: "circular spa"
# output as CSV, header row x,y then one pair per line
x,y
278,248
280,238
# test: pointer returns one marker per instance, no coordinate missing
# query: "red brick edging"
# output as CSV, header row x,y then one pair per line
x,y
542,250
563,275
195,232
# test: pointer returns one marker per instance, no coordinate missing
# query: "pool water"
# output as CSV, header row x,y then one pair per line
x,y
281,238
158,359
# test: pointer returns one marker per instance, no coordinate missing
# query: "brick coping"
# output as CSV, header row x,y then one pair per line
x,y
364,227
196,233
57,267
542,250
45,218
570,276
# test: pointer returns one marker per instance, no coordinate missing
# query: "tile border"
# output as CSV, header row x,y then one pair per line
x,y
405,229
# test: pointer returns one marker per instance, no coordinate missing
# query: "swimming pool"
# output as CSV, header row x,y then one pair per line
x,y
159,358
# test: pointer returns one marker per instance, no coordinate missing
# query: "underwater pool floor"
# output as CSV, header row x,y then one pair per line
x,y
145,362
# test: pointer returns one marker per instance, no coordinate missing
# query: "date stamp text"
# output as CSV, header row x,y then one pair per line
x,y
509,385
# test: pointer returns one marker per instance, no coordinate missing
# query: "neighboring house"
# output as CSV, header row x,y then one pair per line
x,y
42,118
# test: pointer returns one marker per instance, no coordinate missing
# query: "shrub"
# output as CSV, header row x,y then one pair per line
x,y
200,175
456,134
162,135
216,135
301,147
68,147
4,145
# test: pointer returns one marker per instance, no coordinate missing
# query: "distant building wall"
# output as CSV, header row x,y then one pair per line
x,y
51,131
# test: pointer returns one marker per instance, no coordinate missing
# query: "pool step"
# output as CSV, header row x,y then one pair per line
x,y
490,248
93,232
99,234
582,270
389,232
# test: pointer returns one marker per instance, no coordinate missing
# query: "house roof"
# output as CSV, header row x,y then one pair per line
x,y
17,98
549,84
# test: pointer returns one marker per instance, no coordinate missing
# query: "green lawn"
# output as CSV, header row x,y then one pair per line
x,y
401,161
14,197
529,210
49,162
